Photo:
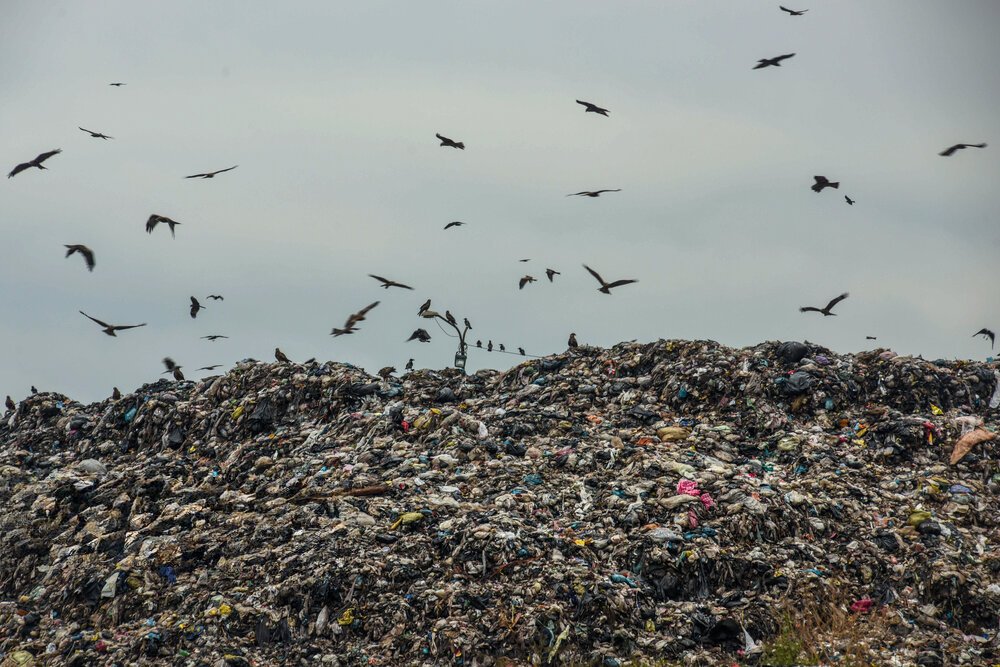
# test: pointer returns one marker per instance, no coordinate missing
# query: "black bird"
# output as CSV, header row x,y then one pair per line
x,y
849,200
521,351
986,333
607,287
593,108
349,327
502,348
195,307
445,141
793,12
479,343
823,182
826,309
173,368
37,162
426,305
466,322
451,318
209,368
409,365
772,62
489,346
592,193
217,297
871,338
551,273
524,281
572,341
386,283
110,329
116,84
33,390
115,394
957,147
421,335
88,254
280,356
524,260
215,337
95,135
454,224
10,403
211,174
156,219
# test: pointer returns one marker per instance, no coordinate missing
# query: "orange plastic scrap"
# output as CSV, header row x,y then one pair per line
x,y
968,441
595,419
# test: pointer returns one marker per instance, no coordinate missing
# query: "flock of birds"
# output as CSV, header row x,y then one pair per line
x,y
421,335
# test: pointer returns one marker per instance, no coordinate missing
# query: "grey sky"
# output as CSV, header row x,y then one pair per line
x,y
330,109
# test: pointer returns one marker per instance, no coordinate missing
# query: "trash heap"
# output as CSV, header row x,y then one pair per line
x,y
645,504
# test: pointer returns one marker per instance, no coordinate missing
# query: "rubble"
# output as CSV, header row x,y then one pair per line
x,y
648,502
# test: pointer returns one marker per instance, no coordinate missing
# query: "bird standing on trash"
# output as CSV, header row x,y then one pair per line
x,y
280,356
409,365
173,368
195,307
986,333
386,371
87,253
445,141
37,162
827,308
572,341
10,403
115,394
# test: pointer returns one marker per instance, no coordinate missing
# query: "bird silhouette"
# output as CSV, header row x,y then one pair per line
x,y
551,273
209,368
823,182
353,319
606,287
502,348
592,193
827,308
957,147
572,341
489,346
215,337
117,83
793,12
386,371
849,200
33,390
110,329
521,351
871,338
425,306
593,108
280,356
216,297
524,281
409,365
155,219
37,162
445,141
465,321
386,283
421,335
195,307
88,254
454,224
525,260
772,62
986,333
211,174
451,318
10,403
173,368
95,135
116,395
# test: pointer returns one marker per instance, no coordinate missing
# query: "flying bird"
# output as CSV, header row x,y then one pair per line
x,y
551,273
572,341
593,108
793,12
386,283
957,147
772,62
155,219
826,309
445,141
217,297
592,193
986,333
454,224
349,327
209,368
849,200
117,83
37,162
426,305
823,182
215,337
88,254
421,335
409,365
871,338
280,356
10,403
195,307
605,286
211,174
524,260
95,135
524,281
173,368
110,329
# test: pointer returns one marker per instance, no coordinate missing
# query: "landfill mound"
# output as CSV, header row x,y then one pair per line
x,y
650,504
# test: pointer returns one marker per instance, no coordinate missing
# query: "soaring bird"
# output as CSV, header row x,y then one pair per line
x,y
386,283
772,62
155,219
349,327
592,193
173,368
593,108
95,135
215,337
465,320
216,297
421,335
117,83
454,224
823,182
521,351
524,281
826,309
871,338
525,260
793,12
280,356
10,403
110,329
409,365
211,174
607,287
451,318
195,307
209,368
957,147
37,162
426,305
849,200
551,273
88,254
572,341
386,371
986,333
116,394
445,141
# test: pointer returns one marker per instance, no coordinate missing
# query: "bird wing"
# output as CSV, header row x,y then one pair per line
x,y
596,275
948,151
225,170
71,249
784,57
804,309
619,283
90,132
785,9
121,327
18,169
384,281
442,138
103,324
194,302
169,363
88,256
586,104
585,192
196,176
45,156
821,180
836,300
151,223
615,190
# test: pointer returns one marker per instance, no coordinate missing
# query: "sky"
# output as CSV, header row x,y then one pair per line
x,y
330,110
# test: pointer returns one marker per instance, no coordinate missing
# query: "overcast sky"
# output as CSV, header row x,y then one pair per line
x,y
330,109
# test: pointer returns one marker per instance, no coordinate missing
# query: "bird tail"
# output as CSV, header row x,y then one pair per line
x,y
460,145
835,186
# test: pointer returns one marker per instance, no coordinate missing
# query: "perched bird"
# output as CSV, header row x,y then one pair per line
x,y
772,62
386,283
37,162
826,309
216,297
34,390
95,135
607,287
211,174
349,327
593,108
466,322
10,403
110,329
502,348
425,306
870,338
280,356
479,343
551,273
445,141
489,346
386,371
116,84
409,365
521,351
957,147
592,193
209,368
524,281
793,12
572,341
823,182
421,335
156,219
88,254
195,307
173,368
215,337
115,394
849,200
986,333
454,224
451,318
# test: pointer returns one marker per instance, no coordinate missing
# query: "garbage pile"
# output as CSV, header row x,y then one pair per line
x,y
644,504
